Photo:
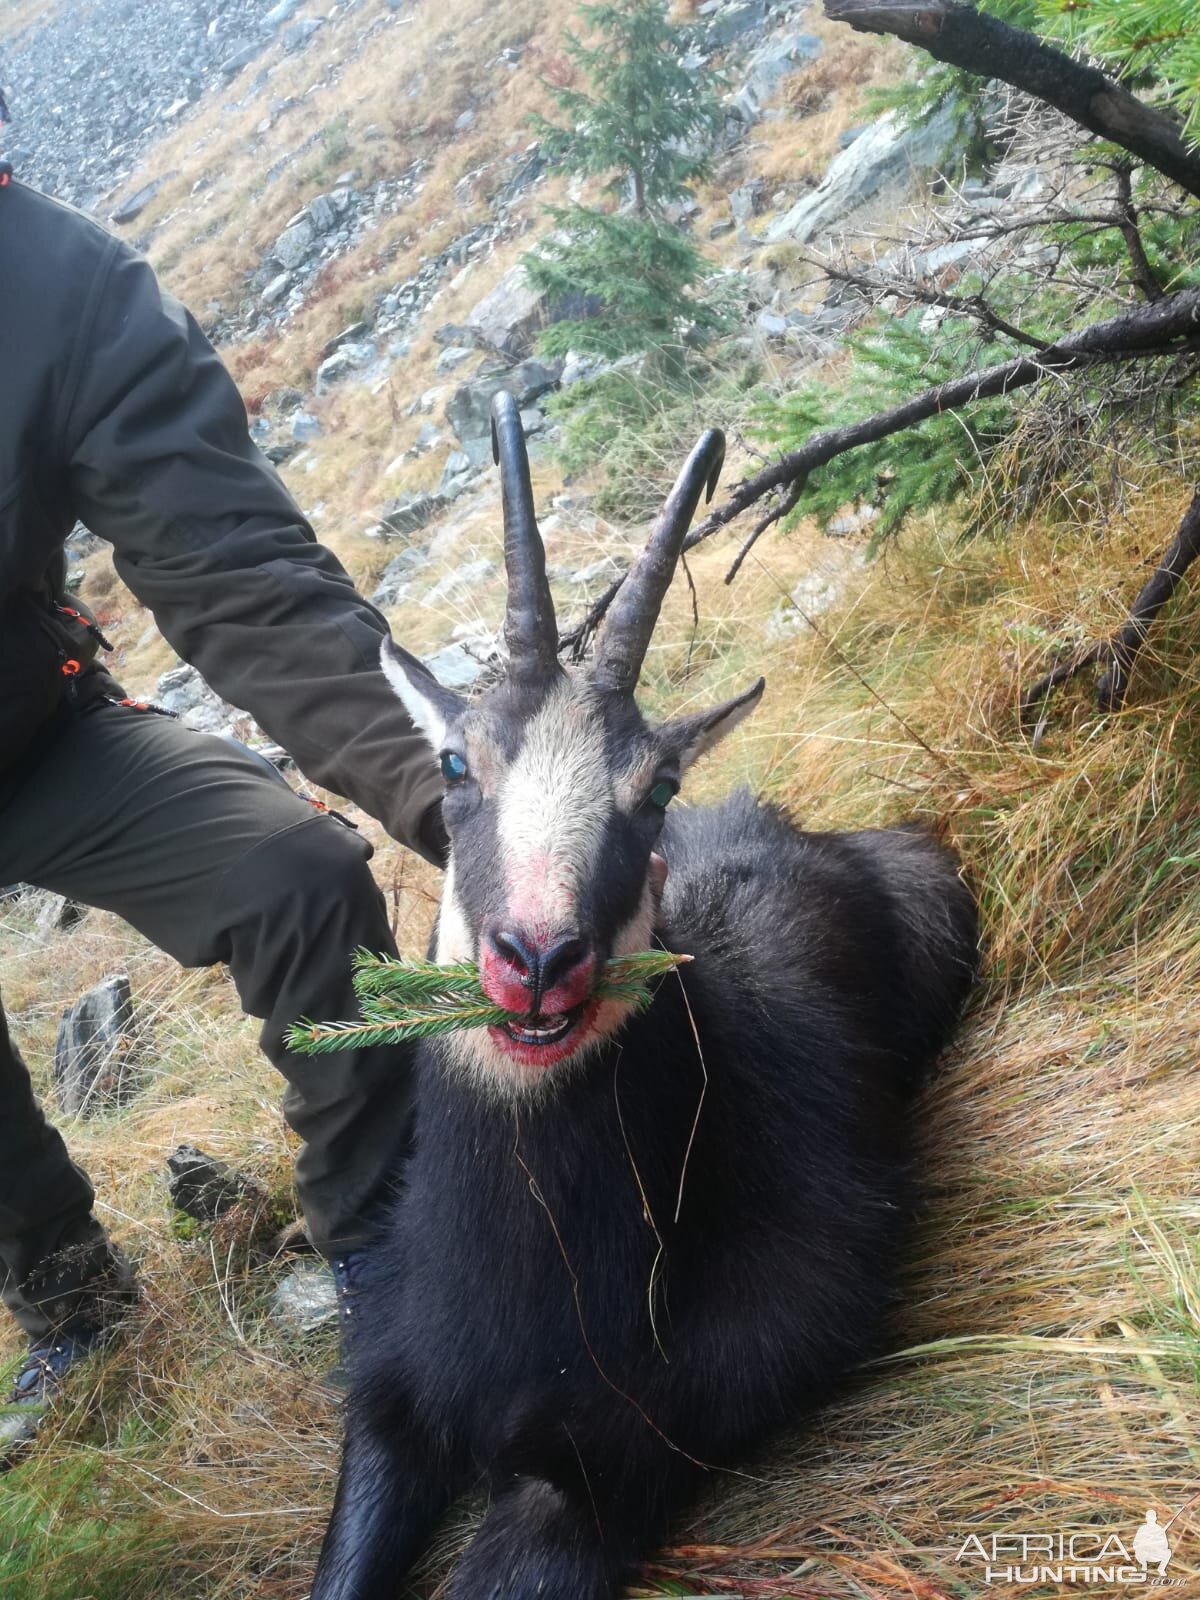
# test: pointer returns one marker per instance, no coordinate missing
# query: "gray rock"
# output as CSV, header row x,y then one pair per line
x,y
350,358
241,57
884,161
457,668
301,32
205,1188
469,410
58,914
283,12
576,368
395,581
465,120
727,23
457,474
305,427
323,212
293,244
91,1053
410,511
356,333
532,420
718,230
429,436
457,583
183,691
771,325
508,318
276,289
136,204
305,1300
746,201
455,333
453,356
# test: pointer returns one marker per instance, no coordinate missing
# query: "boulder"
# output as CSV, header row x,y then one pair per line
x,y
183,691
408,512
356,333
305,427
469,410
293,244
203,1187
509,317
298,35
276,289
91,1053
132,208
884,161
57,914
347,359
746,201
728,23
453,356
323,212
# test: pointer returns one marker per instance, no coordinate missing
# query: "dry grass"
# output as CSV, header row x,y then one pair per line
x,y
1048,1345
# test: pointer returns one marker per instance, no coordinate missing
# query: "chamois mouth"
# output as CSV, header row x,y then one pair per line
x,y
543,1040
540,1030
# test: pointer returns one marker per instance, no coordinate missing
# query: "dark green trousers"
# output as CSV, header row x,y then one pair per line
x,y
194,843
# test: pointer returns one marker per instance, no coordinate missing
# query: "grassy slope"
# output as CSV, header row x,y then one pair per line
x,y
1050,1327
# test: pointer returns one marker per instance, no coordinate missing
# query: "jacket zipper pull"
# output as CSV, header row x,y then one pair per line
x,y
92,627
70,669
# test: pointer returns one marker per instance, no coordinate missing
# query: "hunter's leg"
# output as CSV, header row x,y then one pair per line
x,y
187,837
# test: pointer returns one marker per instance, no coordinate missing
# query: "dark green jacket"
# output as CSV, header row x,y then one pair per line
x,y
116,412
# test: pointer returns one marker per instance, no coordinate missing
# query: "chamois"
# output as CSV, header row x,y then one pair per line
x,y
631,1247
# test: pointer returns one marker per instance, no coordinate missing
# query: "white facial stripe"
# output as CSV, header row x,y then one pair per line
x,y
420,708
552,808
454,939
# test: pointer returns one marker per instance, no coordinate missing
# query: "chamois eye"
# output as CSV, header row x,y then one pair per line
x,y
454,768
663,792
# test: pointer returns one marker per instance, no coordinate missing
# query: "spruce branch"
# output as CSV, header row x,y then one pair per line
x,y
408,1000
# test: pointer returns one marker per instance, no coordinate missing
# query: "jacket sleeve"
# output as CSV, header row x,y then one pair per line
x,y
205,534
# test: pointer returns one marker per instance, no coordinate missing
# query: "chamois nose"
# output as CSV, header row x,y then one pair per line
x,y
559,966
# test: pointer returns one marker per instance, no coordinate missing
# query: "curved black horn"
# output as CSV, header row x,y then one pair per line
x,y
530,630
626,637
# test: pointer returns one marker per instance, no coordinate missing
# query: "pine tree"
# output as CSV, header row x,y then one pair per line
x,y
645,124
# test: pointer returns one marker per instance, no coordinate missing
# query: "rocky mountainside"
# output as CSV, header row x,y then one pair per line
x,y
366,286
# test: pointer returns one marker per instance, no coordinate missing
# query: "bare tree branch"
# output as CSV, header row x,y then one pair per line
x,y
973,305
1170,326
1143,272
1121,650
966,38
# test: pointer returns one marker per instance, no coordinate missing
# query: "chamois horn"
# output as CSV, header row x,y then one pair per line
x,y
622,645
530,630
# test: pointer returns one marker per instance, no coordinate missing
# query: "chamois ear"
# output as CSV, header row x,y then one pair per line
x,y
688,738
431,707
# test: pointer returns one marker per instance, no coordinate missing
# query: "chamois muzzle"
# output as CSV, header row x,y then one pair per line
x,y
626,636
530,629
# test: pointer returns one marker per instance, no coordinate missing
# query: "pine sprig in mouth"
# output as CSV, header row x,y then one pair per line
x,y
402,1000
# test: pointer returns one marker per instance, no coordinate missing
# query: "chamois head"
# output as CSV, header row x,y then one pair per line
x,y
556,789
